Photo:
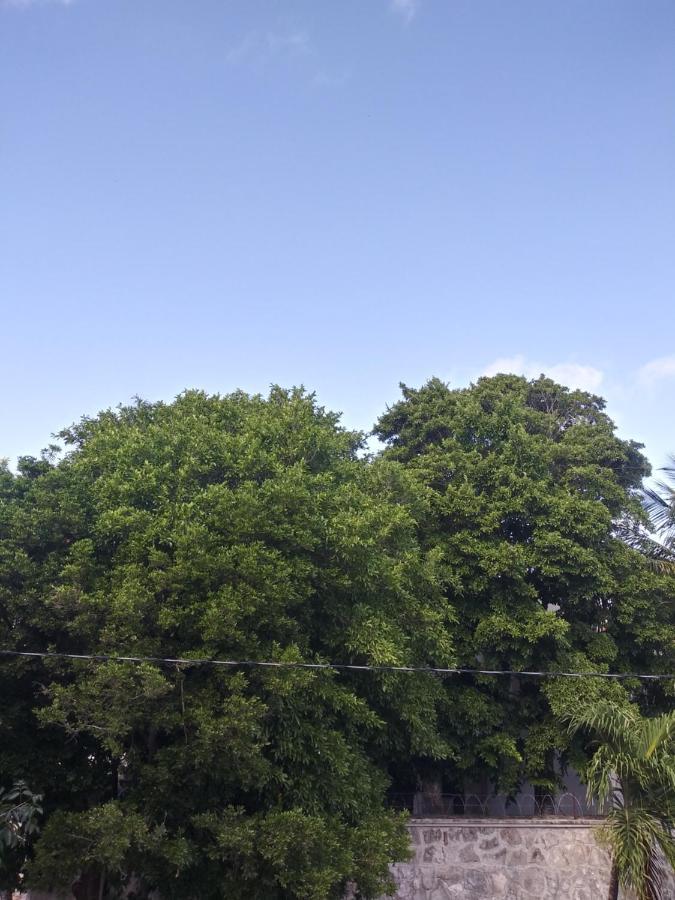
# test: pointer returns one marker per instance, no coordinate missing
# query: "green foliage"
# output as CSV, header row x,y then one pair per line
x,y
100,839
292,853
20,810
229,527
487,534
527,485
632,774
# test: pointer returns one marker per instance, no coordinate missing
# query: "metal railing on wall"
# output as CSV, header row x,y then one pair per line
x,y
523,806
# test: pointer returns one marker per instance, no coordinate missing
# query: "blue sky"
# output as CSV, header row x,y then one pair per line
x,y
345,194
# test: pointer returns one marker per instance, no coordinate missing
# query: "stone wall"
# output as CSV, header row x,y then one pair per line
x,y
501,859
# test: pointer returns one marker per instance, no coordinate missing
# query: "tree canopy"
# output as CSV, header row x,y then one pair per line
x,y
235,528
487,533
527,482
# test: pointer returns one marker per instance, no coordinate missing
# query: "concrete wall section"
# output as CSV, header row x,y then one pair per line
x,y
488,859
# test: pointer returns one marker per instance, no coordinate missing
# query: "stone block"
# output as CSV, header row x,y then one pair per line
x,y
468,855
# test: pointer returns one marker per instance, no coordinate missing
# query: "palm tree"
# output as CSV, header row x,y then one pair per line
x,y
660,505
632,776
655,539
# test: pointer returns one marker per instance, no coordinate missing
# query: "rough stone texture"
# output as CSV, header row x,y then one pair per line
x,y
498,859
491,859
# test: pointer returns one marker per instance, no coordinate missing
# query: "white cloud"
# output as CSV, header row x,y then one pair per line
x,y
335,79
25,4
588,378
573,375
507,364
657,369
242,50
407,9
292,42
259,47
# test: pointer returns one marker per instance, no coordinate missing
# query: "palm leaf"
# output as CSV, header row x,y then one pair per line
x,y
657,732
659,502
632,775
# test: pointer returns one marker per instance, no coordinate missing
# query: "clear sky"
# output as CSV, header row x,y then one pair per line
x,y
340,193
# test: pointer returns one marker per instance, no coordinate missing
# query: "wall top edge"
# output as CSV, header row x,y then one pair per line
x,y
506,822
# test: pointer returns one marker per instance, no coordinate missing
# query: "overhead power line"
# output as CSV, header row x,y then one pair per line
x,y
350,667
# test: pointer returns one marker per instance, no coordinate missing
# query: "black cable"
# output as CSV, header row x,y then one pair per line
x,y
430,670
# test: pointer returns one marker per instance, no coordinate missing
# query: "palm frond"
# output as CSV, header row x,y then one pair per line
x,y
659,502
632,776
660,555
608,723
633,835
660,505
656,733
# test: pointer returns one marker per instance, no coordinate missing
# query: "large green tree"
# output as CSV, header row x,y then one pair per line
x,y
489,533
235,527
529,489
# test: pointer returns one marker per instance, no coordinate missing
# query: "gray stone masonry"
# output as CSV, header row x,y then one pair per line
x,y
501,859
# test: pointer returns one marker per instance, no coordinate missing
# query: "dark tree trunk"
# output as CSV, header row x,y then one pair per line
x,y
88,885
